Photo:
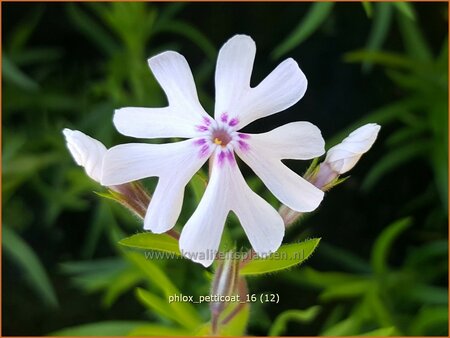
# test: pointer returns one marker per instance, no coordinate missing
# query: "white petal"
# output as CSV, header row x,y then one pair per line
x,y
154,122
291,189
233,72
281,89
86,151
261,222
175,77
174,163
296,140
227,190
343,157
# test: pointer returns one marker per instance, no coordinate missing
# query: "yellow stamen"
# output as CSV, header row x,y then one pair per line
x,y
217,141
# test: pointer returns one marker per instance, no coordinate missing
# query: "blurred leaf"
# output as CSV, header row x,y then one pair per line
x,y
347,290
380,27
303,316
23,30
288,255
383,116
38,55
120,284
415,44
151,241
347,327
11,73
393,159
16,248
368,8
430,321
427,294
106,328
91,29
190,32
161,307
405,8
382,332
94,275
316,15
198,185
157,277
157,330
321,279
345,258
382,245
387,59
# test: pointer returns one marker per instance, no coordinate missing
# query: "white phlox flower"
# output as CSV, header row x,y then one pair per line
x,y
237,104
344,156
86,151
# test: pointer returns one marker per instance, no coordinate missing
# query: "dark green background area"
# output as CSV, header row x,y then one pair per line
x,y
71,64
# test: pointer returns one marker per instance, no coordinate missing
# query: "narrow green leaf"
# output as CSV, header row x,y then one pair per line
x,y
157,330
415,43
405,8
367,8
150,241
382,246
191,33
198,185
11,73
381,23
321,279
106,328
347,290
316,15
121,284
387,59
303,316
161,307
430,319
158,278
16,248
345,258
382,332
346,327
287,256
383,116
392,160
91,29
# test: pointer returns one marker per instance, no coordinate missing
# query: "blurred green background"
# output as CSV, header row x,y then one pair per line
x,y
382,264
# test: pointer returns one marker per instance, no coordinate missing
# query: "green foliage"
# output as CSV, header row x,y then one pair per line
x,y
316,15
303,316
17,249
107,328
149,241
288,255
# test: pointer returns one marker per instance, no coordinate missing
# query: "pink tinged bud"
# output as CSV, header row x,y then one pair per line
x,y
344,156
86,151
224,284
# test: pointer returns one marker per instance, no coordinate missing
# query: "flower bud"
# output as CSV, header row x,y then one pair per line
x,y
343,157
224,284
86,151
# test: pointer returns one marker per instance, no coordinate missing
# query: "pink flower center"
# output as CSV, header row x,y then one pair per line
x,y
221,137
